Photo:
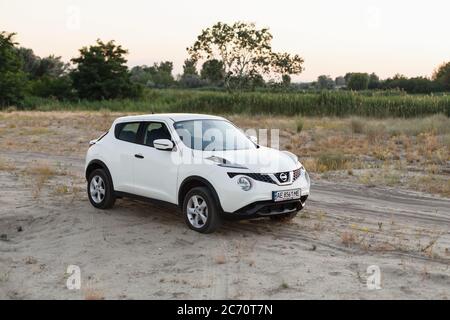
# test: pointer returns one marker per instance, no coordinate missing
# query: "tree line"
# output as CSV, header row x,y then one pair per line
x,y
439,82
229,57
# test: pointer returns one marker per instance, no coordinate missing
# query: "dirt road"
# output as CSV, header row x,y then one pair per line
x,y
139,250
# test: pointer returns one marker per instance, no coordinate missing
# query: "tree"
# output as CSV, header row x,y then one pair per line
x,y
162,74
442,76
47,76
340,81
421,85
325,82
241,47
374,81
52,66
190,67
358,81
158,75
140,75
244,50
190,77
12,78
347,77
101,73
286,65
36,67
30,62
56,87
410,85
212,71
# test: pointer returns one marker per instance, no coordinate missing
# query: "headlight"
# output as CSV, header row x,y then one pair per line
x,y
245,183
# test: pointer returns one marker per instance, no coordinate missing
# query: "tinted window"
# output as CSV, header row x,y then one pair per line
x,y
127,131
154,131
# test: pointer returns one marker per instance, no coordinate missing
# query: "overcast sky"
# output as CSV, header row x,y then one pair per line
x,y
334,37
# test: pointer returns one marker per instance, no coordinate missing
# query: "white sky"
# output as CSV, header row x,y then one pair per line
x,y
334,37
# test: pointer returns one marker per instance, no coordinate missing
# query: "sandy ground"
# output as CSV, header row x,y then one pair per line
x,y
138,250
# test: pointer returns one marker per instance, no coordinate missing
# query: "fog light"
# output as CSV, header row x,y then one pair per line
x,y
245,183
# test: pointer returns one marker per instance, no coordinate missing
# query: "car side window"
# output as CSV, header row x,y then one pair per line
x,y
154,131
127,131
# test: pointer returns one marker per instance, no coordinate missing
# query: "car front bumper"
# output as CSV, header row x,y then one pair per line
x,y
268,208
258,201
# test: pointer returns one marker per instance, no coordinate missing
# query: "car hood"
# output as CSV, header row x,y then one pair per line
x,y
260,160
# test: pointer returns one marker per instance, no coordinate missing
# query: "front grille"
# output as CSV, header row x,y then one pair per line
x,y
266,178
269,208
279,174
254,176
277,208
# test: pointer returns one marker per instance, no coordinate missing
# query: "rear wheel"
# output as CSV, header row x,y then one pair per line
x,y
100,190
200,210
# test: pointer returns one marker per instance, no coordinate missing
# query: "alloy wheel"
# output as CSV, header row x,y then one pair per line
x,y
97,189
197,211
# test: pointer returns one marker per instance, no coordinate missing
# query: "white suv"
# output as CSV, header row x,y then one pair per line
x,y
203,164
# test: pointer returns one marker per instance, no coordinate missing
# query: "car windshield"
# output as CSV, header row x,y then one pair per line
x,y
212,135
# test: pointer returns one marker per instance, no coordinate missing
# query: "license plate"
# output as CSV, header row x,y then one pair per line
x,y
286,195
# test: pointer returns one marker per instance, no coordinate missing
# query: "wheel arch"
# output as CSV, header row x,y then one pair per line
x,y
98,164
192,182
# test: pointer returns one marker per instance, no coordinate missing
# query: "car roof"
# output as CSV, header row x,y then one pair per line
x,y
175,117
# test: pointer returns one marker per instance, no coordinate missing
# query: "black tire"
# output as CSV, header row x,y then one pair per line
x,y
213,220
284,217
109,198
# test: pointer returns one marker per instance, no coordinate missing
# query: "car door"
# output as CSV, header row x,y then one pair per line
x,y
122,156
155,171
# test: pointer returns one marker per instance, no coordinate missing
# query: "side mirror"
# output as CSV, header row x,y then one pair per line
x,y
163,144
253,139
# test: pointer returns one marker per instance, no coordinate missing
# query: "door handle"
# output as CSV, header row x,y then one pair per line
x,y
139,156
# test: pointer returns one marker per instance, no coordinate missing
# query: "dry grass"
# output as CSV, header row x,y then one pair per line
x,y
284,285
349,238
357,125
332,161
299,124
6,165
430,183
42,169
41,172
35,131
411,153
220,259
93,294
62,189
4,276
30,260
428,248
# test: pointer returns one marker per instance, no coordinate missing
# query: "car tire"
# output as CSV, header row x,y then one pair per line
x,y
284,217
194,210
100,190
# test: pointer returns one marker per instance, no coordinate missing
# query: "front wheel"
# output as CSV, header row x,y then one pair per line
x,y
100,190
200,210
